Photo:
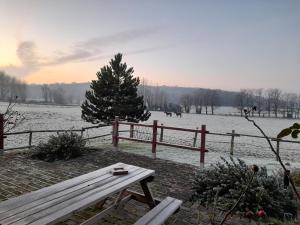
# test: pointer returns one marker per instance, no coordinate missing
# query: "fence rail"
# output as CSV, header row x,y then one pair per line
x,y
31,132
156,136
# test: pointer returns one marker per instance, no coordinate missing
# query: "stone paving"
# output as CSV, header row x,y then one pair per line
x,y
19,174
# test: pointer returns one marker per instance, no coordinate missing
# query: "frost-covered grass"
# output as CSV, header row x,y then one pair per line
x,y
251,150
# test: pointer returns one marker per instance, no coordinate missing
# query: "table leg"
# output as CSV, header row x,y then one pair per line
x,y
100,204
119,198
147,192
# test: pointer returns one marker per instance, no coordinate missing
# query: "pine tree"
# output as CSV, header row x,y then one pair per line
x,y
114,94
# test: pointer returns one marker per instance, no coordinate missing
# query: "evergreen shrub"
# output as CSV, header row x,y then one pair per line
x,y
64,146
225,181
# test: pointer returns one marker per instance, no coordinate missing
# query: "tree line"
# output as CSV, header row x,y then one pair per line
x,y
201,100
271,102
11,88
55,95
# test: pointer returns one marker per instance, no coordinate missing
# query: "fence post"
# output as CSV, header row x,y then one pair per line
x,y
1,133
81,132
277,148
154,137
131,130
116,132
195,137
30,139
161,138
202,145
232,142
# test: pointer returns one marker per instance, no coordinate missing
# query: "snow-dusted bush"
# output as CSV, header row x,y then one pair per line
x,y
64,146
226,181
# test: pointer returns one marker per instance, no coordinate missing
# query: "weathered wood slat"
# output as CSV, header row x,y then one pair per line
x,y
53,204
63,194
160,213
56,203
21,200
71,207
108,210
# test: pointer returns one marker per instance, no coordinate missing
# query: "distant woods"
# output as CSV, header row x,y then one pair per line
x,y
269,103
10,88
190,100
14,89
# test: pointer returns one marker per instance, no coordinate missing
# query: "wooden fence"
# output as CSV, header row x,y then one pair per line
x,y
32,132
203,132
157,136
154,142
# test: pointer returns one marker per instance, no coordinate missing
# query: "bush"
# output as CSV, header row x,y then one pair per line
x,y
225,182
64,146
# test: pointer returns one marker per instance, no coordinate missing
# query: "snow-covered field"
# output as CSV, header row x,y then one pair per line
x,y
252,150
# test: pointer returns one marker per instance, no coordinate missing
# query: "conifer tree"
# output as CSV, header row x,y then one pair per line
x,y
114,94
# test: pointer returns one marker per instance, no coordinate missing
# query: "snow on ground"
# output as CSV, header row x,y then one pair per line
x,y
252,150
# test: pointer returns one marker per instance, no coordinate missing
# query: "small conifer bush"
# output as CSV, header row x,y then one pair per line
x,y
226,180
64,146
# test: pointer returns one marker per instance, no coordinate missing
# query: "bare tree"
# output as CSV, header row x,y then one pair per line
x,y
186,101
298,107
241,99
273,100
259,100
12,118
4,86
198,101
213,100
10,87
46,92
58,95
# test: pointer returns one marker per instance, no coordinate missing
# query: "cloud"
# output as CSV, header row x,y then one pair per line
x,y
131,52
26,52
74,56
118,38
92,49
89,50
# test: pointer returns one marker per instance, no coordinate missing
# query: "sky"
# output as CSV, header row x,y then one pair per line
x,y
223,44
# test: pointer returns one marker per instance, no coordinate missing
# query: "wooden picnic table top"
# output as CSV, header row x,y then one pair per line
x,y
57,202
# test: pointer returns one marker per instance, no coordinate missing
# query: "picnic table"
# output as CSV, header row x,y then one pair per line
x,y
58,202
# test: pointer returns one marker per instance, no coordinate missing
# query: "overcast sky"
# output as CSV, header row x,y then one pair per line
x,y
222,44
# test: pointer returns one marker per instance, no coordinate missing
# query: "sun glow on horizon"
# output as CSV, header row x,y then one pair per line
x,y
8,55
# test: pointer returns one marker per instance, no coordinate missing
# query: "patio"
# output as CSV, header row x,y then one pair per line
x,y
19,175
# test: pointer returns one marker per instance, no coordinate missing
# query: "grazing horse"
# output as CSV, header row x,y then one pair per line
x,y
178,114
168,114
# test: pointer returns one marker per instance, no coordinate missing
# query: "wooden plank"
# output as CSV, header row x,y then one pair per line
x,y
160,213
41,193
140,197
63,195
147,192
67,196
78,204
51,214
166,213
108,210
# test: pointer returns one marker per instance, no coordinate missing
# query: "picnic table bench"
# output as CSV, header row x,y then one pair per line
x,y
58,202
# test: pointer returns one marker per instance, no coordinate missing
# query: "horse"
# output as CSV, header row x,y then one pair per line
x,y
178,114
168,114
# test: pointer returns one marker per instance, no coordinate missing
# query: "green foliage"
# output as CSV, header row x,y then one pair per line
x,y
226,181
293,131
114,94
296,178
64,146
